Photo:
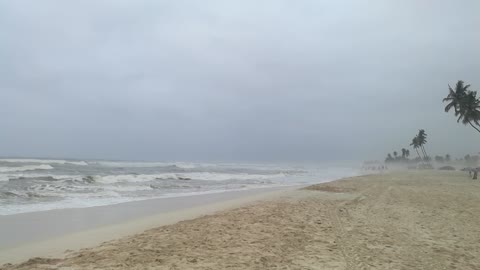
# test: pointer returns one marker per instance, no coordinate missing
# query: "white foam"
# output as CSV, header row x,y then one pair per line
x,y
227,176
25,168
44,161
138,164
127,188
206,176
110,179
8,176
68,203
111,189
132,164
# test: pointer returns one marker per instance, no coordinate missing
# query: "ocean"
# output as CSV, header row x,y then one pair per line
x,y
30,185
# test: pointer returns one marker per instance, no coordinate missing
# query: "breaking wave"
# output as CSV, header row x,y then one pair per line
x,y
29,185
44,161
25,168
181,165
202,176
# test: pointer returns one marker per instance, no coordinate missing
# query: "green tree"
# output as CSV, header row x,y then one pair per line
x,y
415,144
470,110
465,104
422,140
455,97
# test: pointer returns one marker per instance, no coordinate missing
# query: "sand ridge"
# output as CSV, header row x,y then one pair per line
x,y
408,220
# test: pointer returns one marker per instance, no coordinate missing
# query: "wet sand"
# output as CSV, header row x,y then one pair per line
x,y
50,233
402,220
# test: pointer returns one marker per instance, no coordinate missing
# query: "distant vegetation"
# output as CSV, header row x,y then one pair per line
x,y
418,143
422,160
466,107
441,159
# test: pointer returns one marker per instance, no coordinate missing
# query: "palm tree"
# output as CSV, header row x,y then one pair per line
x,y
422,140
456,96
465,103
470,110
407,153
404,153
415,145
395,154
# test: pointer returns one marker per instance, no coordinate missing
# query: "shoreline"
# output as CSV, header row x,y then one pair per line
x,y
397,220
160,197
50,233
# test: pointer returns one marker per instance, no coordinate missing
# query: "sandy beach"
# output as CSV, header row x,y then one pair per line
x,y
50,233
401,220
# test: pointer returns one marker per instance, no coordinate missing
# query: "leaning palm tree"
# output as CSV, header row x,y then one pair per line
x,y
456,96
422,140
416,145
469,111
465,103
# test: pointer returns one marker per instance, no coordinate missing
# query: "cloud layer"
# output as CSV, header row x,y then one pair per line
x,y
225,80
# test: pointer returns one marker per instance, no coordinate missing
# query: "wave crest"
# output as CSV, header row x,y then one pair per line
x,y
44,161
201,176
25,168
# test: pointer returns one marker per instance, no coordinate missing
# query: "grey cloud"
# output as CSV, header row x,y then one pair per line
x,y
225,80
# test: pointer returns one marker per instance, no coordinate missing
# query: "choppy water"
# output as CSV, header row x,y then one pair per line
x,y
28,185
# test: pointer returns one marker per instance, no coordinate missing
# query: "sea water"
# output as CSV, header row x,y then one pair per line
x,y
29,185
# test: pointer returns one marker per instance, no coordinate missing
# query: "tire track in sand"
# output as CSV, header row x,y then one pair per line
x,y
352,259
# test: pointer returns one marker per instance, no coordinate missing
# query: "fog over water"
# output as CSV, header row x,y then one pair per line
x,y
233,81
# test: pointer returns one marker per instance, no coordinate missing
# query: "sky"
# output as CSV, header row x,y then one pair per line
x,y
223,80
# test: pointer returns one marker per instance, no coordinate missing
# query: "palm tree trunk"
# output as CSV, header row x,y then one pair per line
x,y
424,152
473,126
416,149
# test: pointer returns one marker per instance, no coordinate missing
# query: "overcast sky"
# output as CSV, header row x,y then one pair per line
x,y
233,80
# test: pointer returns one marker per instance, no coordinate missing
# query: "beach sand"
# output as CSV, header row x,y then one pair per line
x,y
50,233
401,220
